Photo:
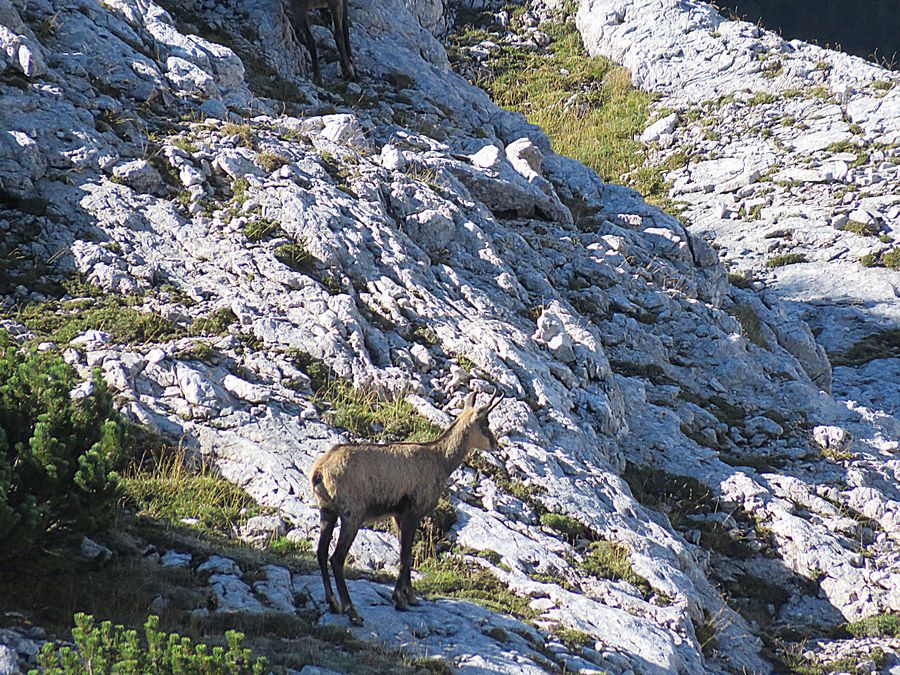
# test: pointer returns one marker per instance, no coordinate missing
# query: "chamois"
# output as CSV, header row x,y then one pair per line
x,y
340,27
362,482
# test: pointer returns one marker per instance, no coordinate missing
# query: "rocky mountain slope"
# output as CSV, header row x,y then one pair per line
x,y
408,237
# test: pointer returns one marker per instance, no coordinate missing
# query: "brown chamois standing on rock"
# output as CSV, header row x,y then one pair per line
x,y
362,482
340,26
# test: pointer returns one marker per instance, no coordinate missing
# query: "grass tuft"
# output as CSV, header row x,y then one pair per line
x,y
94,309
169,489
271,161
453,577
567,526
882,625
862,229
882,345
889,258
243,132
750,323
261,228
786,259
609,560
369,415
296,256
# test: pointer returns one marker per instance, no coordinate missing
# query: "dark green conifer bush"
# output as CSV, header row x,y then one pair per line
x,y
58,455
107,649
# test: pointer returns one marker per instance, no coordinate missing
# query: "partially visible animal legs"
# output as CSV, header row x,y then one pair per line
x,y
349,528
342,36
327,519
351,71
303,19
403,595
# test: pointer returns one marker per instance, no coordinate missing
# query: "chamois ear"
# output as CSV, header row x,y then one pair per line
x,y
469,401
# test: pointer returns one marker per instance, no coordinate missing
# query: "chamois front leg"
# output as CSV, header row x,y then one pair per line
x,y
349,528
327,519
303,20
403,595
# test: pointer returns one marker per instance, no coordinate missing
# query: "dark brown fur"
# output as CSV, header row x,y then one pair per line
x,y
362,482
340,25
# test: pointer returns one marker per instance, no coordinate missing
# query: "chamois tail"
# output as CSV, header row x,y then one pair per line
x,y
318,487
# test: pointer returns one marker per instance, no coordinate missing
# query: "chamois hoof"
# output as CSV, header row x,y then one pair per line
x,y
355,618
333,606
411,597
400,602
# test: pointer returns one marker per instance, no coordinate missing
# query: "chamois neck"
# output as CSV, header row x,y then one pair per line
x,y
453,445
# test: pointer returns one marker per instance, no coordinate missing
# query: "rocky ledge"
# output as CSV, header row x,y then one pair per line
x,y
405,235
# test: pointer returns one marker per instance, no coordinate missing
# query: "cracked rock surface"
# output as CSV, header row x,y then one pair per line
x,y
418,242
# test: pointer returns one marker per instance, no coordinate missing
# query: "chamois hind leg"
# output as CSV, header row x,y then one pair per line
x,y
403,595
342,36
345,27
349,528
303,20
327,519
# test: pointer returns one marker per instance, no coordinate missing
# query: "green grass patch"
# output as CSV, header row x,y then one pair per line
x,y
214,323
185,144
762,98
259,229
285,547
243,132
791,658
862,229
586,105
889,258
706,635
779,234
199,351
271,161
882,625
882,345
167,488
609,560
741,280
94,309
574,639
296,256
676,496
378,418
786,259
452,577
571,529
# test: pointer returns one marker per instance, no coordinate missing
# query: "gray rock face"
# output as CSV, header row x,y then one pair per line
x,y
792,171
418,242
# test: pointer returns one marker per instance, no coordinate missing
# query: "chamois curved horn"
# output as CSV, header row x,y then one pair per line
x,y
495,400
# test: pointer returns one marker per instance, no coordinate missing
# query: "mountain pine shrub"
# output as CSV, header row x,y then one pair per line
x,y
113,649
58,455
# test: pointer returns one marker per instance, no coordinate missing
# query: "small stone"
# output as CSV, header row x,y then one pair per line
x,y
176,559
91,550
139,175
391,158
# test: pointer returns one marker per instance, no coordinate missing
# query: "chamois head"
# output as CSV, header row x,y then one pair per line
x,y
480,434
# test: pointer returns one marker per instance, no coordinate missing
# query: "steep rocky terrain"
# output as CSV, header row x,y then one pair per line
x,y
404,235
